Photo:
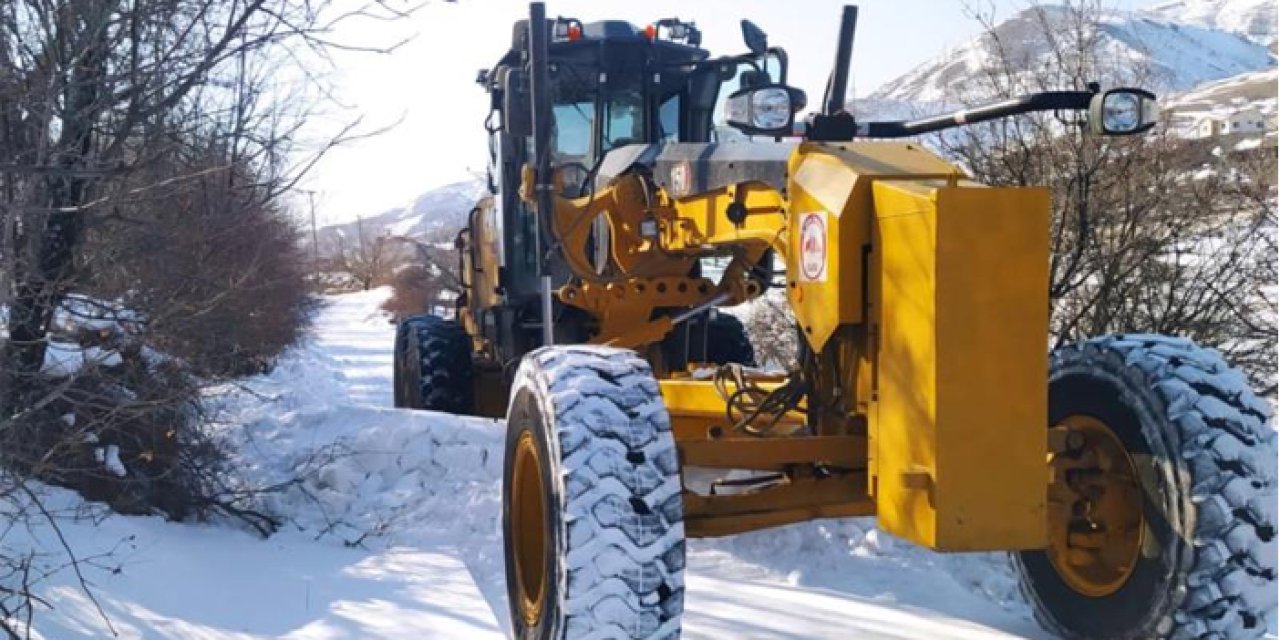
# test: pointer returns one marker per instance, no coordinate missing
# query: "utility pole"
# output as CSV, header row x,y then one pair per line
x,y
315,239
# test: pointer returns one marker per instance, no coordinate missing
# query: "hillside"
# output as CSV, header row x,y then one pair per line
x,y
1257,89
437,212
1179,55
1253,19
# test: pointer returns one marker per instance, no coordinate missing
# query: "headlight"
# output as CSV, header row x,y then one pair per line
x,y
771,108
762,110
1121,112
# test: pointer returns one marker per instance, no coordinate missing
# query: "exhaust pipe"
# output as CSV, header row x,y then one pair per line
x,y
844,50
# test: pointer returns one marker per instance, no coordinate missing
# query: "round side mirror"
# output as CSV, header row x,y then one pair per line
x,y
1123,112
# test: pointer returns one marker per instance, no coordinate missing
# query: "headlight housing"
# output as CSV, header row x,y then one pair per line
x,y
1123,112
767,110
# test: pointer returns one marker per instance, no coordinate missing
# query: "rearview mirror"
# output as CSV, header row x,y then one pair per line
x,y
517,114
765,110
757,42
1122,112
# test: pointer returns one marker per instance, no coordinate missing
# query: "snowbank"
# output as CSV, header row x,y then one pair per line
x,y
393,531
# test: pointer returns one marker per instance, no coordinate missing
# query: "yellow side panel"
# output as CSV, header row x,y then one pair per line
x,y
829,224
825,285
958,425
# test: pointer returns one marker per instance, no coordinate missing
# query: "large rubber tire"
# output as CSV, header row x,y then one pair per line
x,y
433,366
1204,450
611,546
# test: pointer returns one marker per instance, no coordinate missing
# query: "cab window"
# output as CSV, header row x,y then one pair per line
x,y
572,140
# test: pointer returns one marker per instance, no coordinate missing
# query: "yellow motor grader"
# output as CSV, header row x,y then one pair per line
x,y
638,183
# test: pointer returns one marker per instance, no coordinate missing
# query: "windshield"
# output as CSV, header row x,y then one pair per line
x,y
573,109
624,117
573,130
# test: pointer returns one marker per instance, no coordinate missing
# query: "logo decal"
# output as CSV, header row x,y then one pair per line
x,y
680,178
813,247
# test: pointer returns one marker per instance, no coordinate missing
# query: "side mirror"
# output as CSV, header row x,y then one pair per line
x,y
1122,112
757,42
768,110
517,111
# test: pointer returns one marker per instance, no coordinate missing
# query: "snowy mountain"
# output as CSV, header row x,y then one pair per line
x,y
1179,55
1253,19
436,215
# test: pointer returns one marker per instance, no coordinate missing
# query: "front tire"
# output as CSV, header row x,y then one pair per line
x,y
1163,505
592,513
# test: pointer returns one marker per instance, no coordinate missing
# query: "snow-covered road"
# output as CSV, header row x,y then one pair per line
x,y
393,533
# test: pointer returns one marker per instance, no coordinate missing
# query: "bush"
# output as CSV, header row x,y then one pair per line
x,y
214,267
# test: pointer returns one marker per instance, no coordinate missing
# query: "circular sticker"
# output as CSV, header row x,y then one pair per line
x,y
813,246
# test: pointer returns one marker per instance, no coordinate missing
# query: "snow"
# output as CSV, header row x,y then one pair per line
x,y
393,531
109,458
64,359
178,582
1253,19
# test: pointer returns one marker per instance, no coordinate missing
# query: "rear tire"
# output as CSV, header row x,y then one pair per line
x,y
433,366
1204,453
592,508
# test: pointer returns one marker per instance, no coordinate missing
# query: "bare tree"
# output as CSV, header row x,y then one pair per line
x,y
1150,233
367,261
144,250
425,281
93,92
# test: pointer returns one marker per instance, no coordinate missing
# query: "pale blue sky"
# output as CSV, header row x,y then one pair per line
x,y
428,84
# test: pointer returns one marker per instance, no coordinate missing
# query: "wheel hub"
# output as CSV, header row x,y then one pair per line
x,y
1095,509
528,528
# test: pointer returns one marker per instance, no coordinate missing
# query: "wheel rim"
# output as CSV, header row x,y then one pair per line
x,y
1096,526
528,515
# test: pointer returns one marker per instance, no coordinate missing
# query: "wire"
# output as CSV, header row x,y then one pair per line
x,y
749,404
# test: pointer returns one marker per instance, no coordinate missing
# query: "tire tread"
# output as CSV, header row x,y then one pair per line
x,y
1223,449
624,556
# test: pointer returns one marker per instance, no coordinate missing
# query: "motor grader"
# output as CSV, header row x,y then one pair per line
x,y
638,184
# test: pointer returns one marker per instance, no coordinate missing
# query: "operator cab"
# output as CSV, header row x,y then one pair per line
x,y
611,85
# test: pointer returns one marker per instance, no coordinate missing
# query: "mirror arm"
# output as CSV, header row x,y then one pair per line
x,y
781,54
1030,103
842,127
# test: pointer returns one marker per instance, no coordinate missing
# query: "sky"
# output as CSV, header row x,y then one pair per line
x,y
425,93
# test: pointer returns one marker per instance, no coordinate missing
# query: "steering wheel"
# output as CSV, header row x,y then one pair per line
x,y
570,168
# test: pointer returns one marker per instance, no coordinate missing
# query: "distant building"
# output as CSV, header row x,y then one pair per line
x,y
1207,127
1245,121
1241,121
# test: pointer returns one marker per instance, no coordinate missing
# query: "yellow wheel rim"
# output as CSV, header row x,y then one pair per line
x,y
1096,526
528,511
